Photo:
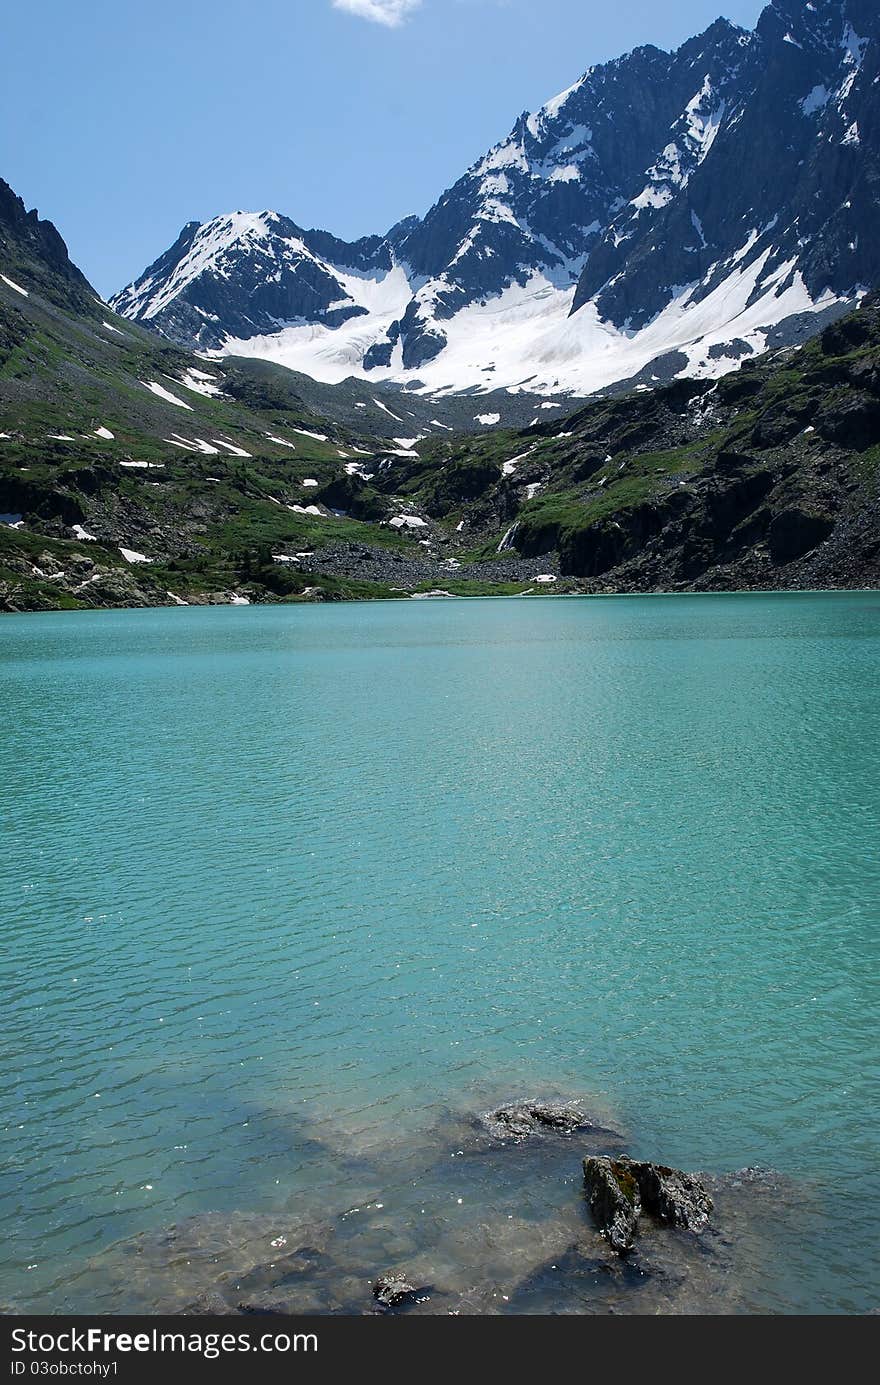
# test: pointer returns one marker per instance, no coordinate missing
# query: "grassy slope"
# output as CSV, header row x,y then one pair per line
x,y
67,373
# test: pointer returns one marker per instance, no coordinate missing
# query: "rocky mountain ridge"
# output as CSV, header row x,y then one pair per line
x,y
668,214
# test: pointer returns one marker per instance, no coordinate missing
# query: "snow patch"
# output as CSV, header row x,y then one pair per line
x,y
193,445
509,467
304,433
162,393
385,408
201,382
231,447
13,285
815,100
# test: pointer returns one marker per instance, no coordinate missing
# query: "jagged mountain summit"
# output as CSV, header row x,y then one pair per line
x,y
33,250
669,214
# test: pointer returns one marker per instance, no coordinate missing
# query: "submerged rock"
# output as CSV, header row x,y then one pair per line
x,y
210,1305
392,1289
618,1190
614,1198
264,1305
520,1119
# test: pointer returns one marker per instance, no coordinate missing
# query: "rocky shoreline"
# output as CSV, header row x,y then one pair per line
x,y
83,583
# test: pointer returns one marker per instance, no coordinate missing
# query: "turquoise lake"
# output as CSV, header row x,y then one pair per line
x,y
272,878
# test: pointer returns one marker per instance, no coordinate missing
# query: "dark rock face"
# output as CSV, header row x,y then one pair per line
x,y
614,1198
853,422
792,533
34,249
780,149
461,482
619,1190
350,495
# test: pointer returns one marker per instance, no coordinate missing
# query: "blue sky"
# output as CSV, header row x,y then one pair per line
x,y
122,121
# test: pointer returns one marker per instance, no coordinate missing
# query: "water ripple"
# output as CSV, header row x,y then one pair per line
x,y
268,873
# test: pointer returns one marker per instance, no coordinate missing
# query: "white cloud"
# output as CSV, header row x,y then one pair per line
x,y
391,13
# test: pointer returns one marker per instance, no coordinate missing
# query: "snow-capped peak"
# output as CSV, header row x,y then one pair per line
x,y
655,205
212,249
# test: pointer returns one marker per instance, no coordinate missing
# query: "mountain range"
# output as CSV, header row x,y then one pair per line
x,y
140,465
669,214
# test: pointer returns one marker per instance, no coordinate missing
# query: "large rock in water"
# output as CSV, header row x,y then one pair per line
x,y
614,1198
520,1119
618,1190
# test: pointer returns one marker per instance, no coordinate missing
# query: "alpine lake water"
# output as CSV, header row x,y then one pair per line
x,y
287,894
